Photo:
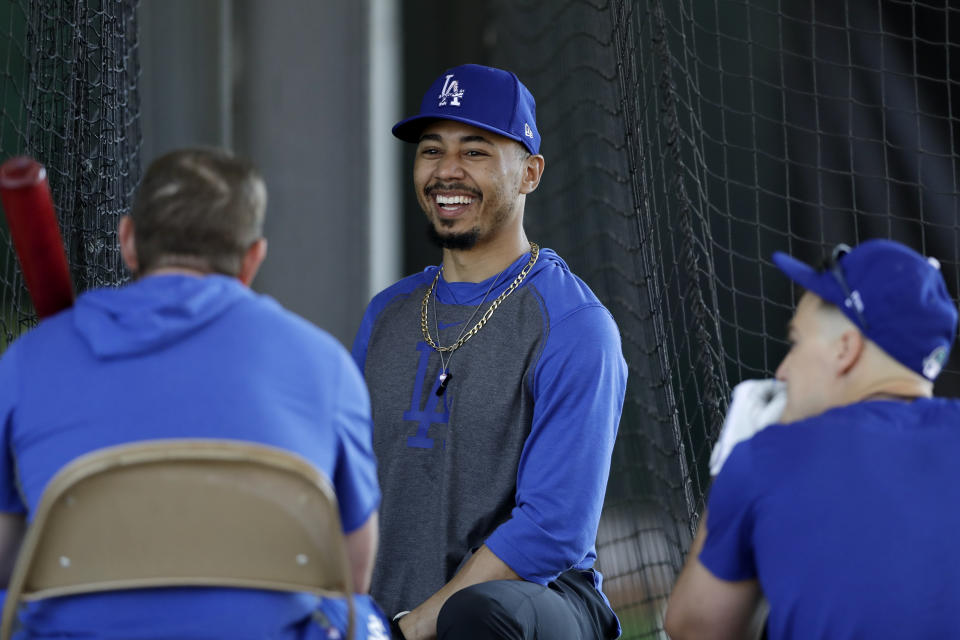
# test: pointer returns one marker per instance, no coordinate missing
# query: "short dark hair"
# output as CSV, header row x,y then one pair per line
x,y
198,209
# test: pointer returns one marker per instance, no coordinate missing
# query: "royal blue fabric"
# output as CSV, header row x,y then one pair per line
x,y
900,294
177,357
485,97
848,521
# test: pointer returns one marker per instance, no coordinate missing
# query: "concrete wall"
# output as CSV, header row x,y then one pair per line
x,y
289,85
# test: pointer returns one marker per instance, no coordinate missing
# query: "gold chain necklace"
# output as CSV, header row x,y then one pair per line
x,y
424,305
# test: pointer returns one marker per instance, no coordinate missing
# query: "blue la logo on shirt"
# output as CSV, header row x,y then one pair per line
x,y
420,410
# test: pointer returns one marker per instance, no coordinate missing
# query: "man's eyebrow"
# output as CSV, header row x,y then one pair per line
x,y
476,138
435,137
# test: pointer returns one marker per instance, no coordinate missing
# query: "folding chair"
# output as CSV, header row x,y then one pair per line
x,y
164,513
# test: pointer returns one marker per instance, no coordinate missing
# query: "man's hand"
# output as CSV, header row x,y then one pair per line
x,y
755,405
483,566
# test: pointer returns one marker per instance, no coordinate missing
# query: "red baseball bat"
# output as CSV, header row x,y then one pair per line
x,y
32,219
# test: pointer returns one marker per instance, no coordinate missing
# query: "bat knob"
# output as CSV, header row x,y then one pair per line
x,y
21,172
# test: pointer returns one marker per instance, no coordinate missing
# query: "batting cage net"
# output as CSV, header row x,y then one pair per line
x,y
68,94
686,141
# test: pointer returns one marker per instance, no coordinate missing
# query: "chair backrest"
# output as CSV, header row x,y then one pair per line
x,y
187,512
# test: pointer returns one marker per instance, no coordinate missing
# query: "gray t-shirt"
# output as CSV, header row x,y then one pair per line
x,y
478,464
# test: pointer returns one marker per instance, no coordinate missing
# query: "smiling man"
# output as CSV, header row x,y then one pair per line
x,y
497,382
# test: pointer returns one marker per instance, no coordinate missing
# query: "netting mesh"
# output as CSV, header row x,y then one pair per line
x,y
68,80
688,140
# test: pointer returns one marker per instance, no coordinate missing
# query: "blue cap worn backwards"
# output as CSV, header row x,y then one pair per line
x,y
488,98
895,296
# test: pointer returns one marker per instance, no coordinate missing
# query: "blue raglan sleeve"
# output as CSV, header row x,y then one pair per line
x,y
355,476
10,500
362,339
728,550
579,385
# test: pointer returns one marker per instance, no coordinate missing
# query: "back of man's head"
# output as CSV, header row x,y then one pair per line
x,y
198,209
893,295
873,364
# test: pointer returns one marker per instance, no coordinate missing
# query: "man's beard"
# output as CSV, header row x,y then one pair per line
x,y
458,241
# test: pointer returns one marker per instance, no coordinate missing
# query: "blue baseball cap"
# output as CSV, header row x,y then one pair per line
x,y
484,97
895,296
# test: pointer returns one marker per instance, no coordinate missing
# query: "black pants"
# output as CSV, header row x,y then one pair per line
x,y
567,609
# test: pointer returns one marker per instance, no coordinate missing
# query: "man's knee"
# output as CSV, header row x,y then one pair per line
x,y
478,612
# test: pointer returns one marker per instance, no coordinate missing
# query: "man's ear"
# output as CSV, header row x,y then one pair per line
x,y
849,349
128,245
532,172
252,260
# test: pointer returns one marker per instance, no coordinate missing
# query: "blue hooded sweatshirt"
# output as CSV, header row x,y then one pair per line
x,y
177,356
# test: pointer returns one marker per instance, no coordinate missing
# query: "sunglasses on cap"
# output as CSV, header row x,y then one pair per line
x,y
852,299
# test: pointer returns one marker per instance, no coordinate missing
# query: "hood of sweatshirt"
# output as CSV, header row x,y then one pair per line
x,y
152,312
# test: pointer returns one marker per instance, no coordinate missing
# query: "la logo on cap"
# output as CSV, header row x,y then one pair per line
x,y
451,91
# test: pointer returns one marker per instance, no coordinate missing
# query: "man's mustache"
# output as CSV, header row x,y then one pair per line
x,y
453,186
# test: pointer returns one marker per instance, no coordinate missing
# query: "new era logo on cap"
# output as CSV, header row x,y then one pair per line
x,y
933,363
484,97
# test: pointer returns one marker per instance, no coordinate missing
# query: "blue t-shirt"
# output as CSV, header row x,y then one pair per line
x,y
847,520
180,357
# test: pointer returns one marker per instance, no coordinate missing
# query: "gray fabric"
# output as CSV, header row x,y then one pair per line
x,y
462,487
571,609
